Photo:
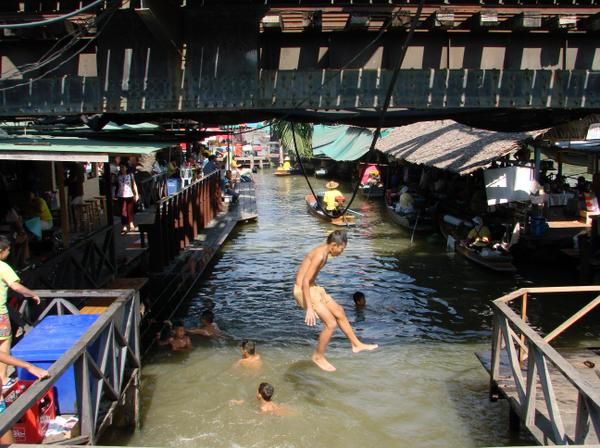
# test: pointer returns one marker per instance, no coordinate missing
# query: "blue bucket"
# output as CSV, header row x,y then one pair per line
x,y
538,226
173,186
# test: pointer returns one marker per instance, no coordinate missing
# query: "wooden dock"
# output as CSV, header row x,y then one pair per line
x,y
553,393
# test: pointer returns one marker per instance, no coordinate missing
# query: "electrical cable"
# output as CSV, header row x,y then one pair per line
x,y
76,53
11,26
384,109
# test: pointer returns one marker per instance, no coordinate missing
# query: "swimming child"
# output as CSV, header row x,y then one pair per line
x,y
318,304
359,300
264,394
249,356
178,340
208,326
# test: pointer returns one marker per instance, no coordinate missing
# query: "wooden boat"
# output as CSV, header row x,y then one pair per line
x,y
487,257
417,222
282,172
369,191
344,220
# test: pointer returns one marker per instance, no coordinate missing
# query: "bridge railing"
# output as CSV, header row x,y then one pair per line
x,y
526,360
106,362
180,217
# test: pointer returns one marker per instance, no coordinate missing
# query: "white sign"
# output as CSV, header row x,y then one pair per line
x,y
593,132
510,184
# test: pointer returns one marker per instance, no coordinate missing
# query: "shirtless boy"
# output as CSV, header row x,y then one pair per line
x,y
208,326
178,341
250,358
264,394
319,304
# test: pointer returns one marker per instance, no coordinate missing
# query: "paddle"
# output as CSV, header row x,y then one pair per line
x,y
356,213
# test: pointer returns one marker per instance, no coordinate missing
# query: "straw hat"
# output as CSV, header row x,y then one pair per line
x,y
287,159
331,185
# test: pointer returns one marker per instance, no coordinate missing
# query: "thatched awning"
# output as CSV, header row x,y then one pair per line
x,y
449,145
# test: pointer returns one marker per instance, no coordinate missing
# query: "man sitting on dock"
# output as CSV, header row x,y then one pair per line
x,y
317,303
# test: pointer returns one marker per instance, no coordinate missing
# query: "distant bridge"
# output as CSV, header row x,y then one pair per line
x,y
505,64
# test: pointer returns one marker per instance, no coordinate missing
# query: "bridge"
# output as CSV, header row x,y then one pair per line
x,y
500,64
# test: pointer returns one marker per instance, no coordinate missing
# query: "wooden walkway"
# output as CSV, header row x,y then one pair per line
x,y
552,392
566,394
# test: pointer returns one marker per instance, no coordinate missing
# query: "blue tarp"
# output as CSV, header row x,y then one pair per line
x,y
341,143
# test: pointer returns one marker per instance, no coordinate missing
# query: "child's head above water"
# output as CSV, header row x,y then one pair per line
x,y
266,391
248,347
178,329
359,299
207,317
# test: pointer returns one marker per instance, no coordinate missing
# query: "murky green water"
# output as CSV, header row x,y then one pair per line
x,y
428,310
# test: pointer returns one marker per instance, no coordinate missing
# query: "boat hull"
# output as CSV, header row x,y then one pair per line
x,y
500,263
371,192
407,223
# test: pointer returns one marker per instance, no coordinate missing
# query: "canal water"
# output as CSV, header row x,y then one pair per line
x,y
429,311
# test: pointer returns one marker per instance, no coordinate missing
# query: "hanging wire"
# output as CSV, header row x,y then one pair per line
x,y
12,26
386,105
108,13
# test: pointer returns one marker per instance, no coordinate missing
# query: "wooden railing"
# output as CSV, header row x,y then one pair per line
x,y
515,344
106,362
152,188
87,264
180,217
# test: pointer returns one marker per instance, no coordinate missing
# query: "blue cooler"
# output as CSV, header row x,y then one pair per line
x,y
173,186
538,226
46,343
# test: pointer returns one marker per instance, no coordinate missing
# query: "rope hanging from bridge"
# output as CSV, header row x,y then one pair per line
x,y
386,105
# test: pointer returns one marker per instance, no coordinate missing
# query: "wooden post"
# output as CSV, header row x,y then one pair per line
x,y
64,203
522,353
108,210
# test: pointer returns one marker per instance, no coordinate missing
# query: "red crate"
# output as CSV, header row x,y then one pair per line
x,y
33,425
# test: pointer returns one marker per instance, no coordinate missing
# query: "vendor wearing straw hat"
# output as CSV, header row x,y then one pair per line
x,y
333,198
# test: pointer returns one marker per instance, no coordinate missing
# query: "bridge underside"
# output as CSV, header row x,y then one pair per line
x,y
503,66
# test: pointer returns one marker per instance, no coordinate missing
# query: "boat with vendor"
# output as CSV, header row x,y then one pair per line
x,y
371,185
329,206
409,210
473,240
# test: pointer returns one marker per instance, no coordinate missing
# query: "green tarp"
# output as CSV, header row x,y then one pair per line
x,y
341,143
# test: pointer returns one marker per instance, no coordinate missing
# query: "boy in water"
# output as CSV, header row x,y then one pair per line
x,y
249,356
318,303
264,394
178,340
359,300
208,328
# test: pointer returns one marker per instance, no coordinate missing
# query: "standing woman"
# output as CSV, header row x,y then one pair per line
x,y
8,279
127,193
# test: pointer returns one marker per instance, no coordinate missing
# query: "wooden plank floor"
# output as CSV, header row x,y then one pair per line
x,y
566,393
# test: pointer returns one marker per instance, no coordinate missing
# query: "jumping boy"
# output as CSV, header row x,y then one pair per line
x,y
249,356
319,304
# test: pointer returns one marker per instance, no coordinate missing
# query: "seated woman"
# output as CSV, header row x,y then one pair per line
x,y
37,207
406,203
480,235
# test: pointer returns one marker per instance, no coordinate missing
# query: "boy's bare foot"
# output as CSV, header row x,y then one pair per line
x,y
323,363
362,347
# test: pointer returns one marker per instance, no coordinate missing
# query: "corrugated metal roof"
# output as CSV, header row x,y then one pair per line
x,y
70,148
449,145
